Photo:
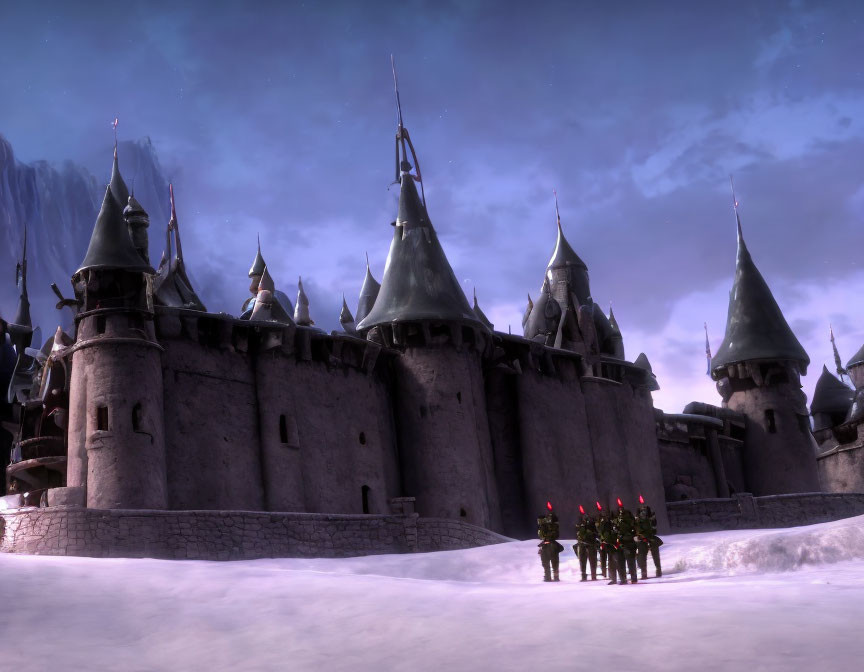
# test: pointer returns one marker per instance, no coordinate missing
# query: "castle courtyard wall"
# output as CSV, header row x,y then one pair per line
x,y
842,468
228,535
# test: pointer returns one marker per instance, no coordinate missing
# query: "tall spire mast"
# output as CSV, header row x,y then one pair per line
x,y
840,370
707,350
557,213
403,140
735,206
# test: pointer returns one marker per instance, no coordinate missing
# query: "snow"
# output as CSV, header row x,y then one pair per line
x,y
740,600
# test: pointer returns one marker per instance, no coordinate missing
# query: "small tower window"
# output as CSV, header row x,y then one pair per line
x,y
362,438
100,324
283,429
769,421
463,513
136,417
364,492
102,418
459,397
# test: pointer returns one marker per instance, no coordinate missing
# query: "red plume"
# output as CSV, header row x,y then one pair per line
x,y
619,503
581,510
599,508
549,505
641,501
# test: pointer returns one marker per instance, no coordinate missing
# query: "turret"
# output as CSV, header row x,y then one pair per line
x,y
831,401
616,340
116,427
566,271
346,319
758,368
422,311
255,273
266,306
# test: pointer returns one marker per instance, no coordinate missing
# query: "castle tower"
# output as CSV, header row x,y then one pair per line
x,y
255,273
116,424
831,401
368,294
443,432
758,368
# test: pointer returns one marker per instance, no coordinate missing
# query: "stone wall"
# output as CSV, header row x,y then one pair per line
x,y
744,511
228,535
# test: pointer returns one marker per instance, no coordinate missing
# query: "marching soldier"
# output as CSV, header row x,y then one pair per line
x,y
586,545
608,546
625,526
646,533
549,548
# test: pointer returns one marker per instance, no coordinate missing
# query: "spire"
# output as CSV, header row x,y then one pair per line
x,y
368,293
480,314
840,370
346,319
267,305
258,264
138,222
563,255
110,245
418,282
22,314
301,308
172,286
613,322
527,313
755,326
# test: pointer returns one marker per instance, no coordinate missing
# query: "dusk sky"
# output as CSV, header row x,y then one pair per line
x,y
278,119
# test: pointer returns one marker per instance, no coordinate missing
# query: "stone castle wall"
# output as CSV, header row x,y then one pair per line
x,y
228,535
743,511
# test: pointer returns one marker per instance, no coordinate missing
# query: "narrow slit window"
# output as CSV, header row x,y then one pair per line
x,y
102,418
364,492
283,429
769,421
136,417
100,324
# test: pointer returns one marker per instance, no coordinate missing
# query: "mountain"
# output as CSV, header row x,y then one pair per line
x,y
58,203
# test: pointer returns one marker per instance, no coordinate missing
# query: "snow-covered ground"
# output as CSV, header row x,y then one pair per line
x,y
745,600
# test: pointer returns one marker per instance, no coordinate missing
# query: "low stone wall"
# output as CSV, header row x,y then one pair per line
x,y
745,511
228,535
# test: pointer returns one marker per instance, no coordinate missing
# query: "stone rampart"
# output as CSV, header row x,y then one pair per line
x,y
228,535
745,511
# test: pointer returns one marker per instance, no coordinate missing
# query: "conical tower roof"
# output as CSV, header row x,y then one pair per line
x,y
301,307
418,283
755,326
110,245
258,264
830,395
564,258
564,255
368,293
346,319
857,358
616,330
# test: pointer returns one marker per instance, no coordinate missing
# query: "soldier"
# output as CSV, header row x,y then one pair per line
x,y
646,533
625,527
586,545
608,545
549,548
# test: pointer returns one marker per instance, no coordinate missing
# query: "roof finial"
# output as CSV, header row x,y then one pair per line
x,y
114,125
707,350
367,261
735,206
557,214
840,370
173,223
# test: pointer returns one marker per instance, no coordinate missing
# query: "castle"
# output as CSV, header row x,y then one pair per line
x,y
156,404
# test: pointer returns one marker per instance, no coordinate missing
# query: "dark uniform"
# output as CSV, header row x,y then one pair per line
x,y
586,547
625,526
646,532
608,542
548,532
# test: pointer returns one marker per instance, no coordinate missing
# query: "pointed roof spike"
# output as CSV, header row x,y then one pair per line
x,y
258,264
830,395
266,282
564,255
613,322
755,325
118,187
22,314
346,319
418,283
527,314
368,293
837,361
480,314
301,307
